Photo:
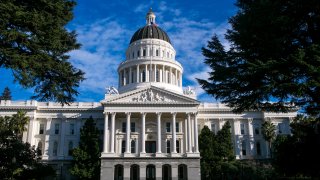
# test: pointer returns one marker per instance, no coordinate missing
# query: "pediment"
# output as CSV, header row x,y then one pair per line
x,y
150,95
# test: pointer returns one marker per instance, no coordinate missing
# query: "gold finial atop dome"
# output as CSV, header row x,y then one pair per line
x,y
151,17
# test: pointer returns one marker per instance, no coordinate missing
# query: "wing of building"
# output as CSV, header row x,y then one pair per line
x,y
149,125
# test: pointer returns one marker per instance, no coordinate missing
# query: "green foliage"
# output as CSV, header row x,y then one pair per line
x,y
216,151
19,160
34,44
6,94
297,155
86,164
274,56
269,133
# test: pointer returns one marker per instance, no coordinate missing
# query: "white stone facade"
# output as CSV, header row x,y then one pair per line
x,y
150,127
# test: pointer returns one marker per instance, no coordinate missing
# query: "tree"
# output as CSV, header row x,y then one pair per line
x,y
86,157
6,94
274,57
269,134
298,154
19,160
217,156
34,44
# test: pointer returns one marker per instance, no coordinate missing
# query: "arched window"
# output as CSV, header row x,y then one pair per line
x,y
39,148
133,146
70,147
134,172
55,148
166,172
151,172
182,172
118,172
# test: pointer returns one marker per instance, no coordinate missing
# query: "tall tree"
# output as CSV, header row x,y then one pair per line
x,y
6,94
34,44
217,156
274,56
86,157
269,134
19,160
298,154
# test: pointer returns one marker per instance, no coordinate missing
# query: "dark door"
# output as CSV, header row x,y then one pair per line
x,y
151,172
150,146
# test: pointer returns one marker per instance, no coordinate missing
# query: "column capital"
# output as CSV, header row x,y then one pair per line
x,y
143,113
174,114
113,113
128,113
250,120
106,113
159,113
195,113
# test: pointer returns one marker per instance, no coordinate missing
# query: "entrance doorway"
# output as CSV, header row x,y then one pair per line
x,y
150,146
151,172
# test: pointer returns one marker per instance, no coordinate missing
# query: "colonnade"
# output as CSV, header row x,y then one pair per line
x,y
109,147
150,73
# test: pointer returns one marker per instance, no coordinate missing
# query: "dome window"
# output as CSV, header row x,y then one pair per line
x,y
138,53
157,52
144,52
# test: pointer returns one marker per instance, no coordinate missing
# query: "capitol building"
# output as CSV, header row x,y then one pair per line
x,y
150,124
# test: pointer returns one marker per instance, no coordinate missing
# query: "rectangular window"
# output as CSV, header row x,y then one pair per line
x,y
72,129
213,128
55,148
157,52
132,55
258,148
70,147
56,128
133,127
168,146
123,146
257,130
150,146
280,128
244,148
177,127
138,53
168,127
124,127
242,128
41,129
144,52
178,146
133,146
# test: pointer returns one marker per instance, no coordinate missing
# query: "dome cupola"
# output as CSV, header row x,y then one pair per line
x,y
150,60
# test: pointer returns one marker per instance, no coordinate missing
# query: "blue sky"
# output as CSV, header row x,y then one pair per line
x,y
105,28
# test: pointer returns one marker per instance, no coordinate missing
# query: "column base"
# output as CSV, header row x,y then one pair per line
x,y
192,154
142,154
174,154
107,154
128,154
159,154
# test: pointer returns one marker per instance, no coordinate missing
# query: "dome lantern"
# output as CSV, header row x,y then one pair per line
x,y
151,17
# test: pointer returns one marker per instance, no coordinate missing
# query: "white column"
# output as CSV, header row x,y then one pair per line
x,y
186,135
250,138
196,146
146,72
143,132
138,75
159,132
174,135
170,76
176,78
62,137
189,133
130,75
106,132
47,138
180,79
163,74
128,150
155,73
113,118
30,131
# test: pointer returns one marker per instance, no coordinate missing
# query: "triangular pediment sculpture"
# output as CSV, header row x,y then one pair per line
x,y
150,94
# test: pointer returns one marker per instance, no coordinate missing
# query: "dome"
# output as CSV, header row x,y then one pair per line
x,y
150,31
